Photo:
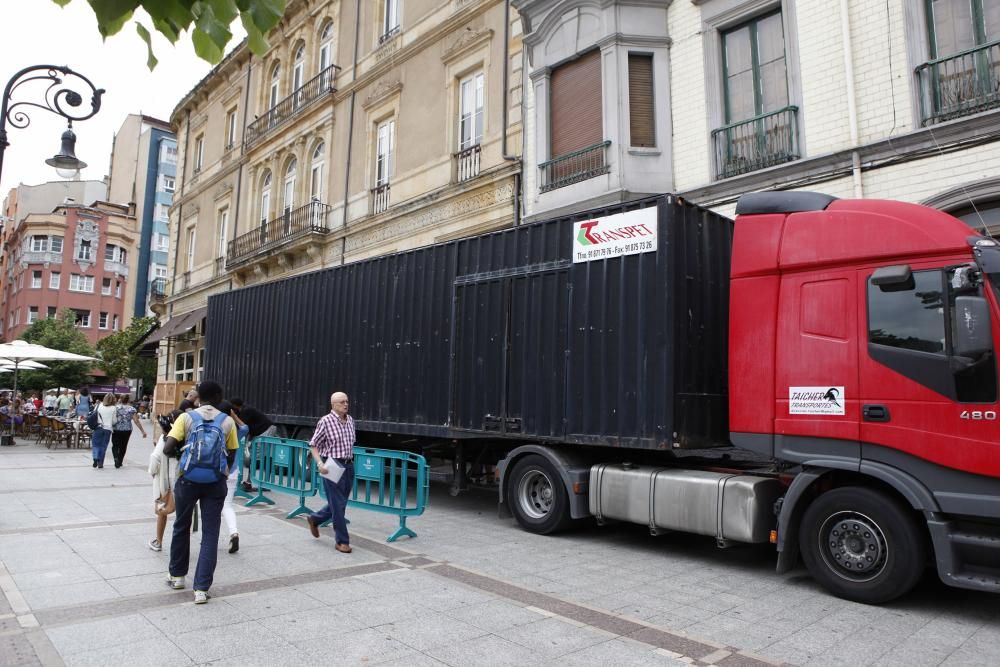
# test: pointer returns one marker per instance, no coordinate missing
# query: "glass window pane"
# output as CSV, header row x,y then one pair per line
x,y
953,28
773,86
770,39
991,17
740,97
910,319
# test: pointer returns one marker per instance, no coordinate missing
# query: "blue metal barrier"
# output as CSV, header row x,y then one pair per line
x,y
382,484
240,492
284,466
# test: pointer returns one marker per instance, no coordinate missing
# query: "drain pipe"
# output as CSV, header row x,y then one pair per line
x,y
506,114
350,130
852,106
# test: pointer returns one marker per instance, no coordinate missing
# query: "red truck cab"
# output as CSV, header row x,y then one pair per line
x,y
862,359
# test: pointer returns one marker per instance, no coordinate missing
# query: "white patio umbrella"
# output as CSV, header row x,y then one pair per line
x,y
20,351
24,365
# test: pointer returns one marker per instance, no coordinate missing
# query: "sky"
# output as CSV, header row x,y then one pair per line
x,y
39,32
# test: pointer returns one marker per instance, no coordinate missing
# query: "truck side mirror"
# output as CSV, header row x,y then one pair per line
x,y
894,278
973,336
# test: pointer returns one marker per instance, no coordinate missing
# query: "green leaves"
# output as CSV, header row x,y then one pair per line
x,y
115,351
59,333
207,21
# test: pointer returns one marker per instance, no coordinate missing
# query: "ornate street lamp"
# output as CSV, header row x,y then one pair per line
x,y
59,98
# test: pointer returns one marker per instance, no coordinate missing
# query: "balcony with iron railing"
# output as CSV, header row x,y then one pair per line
x,y
158,290
303,97
960,85
756,143
380,198
279,233
575,167
467,162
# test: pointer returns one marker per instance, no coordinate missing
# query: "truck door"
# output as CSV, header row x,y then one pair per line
x,y
816,375
918,397
479,366
536,369
511,337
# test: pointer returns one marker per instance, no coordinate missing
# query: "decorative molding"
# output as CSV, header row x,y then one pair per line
x,y
469,40
86,230
389,48
223,191
978,191
383,90
432,216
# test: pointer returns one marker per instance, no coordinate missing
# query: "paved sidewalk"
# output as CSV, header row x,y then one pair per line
x,y
80,587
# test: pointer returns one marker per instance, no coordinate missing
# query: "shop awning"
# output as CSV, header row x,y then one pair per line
x,y
174,327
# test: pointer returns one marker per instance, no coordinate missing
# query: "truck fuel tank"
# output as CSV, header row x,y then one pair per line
x,y
726,506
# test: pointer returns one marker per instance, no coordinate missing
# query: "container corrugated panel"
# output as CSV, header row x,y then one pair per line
x,y
499,336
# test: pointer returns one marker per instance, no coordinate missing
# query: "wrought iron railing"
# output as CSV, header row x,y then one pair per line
x,y
756,143
310,91
292,225
380,198
388,35
574,167
158,289
467,163
960,85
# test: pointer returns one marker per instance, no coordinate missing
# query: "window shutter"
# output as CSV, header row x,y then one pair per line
x,y
642,126
575,99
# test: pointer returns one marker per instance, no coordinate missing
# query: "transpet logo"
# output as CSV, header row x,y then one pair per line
x,y
590,235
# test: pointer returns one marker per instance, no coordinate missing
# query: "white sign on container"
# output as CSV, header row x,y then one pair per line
x,y
616,235
816,400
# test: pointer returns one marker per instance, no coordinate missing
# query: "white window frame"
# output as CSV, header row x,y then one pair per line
x,y
183,370
114,323
288,191
384,148
102,320
55,277
53,242
82,318
159,272
118,289
32,314
316,170
222,230
199,153
475,84
231,128
190,237
87,256
81,283
169,184
274,92
265,198
36,279
326,46
39,244
161,243
110,253
390,17
106,287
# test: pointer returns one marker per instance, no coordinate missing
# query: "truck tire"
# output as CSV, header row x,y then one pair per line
x,y
537,496
862,545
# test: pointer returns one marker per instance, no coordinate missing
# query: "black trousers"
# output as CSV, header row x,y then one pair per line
x,y
119,443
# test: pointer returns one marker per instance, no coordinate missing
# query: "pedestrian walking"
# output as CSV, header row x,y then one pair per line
x,y
251,423
333,444
126,416
64,403
163,469
107,413
206,440
83,403
228,512
49,402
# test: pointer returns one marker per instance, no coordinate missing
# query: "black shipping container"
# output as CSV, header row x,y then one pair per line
x,y
499,336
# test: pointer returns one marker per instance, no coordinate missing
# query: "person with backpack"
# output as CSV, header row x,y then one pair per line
x,y
206,440
101,421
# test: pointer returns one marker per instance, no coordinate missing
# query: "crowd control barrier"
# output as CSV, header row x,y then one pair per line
x,y
240,461
382,484
282,465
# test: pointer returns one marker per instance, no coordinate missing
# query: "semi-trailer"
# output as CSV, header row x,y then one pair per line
x,y
819,374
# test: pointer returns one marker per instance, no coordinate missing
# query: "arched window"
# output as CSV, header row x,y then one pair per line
x,y
298,71
288,192
272,99
316,172
326,48
265,197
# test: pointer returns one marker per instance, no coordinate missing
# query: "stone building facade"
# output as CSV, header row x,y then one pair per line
x,y
867,99
367,128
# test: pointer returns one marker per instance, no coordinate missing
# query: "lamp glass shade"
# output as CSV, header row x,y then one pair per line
x,y
65,161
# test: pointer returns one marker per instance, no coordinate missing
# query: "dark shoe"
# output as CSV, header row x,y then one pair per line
x,y
100,465
95,463
118,465
247,486
313,528
234,543
344,548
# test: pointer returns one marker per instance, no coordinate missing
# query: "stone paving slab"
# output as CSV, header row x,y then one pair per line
x,y
472,589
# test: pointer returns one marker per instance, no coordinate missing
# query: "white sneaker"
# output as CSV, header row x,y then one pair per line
x,y
177,583
201,597
155,545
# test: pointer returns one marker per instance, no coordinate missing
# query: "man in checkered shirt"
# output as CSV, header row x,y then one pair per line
x,y
334,438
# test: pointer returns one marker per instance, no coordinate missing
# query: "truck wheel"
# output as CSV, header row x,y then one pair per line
x,y
862,545
537,496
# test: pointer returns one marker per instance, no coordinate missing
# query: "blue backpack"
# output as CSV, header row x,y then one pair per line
x,y
203,459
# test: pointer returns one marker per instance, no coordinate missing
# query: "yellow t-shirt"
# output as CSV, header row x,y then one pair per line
x,y
181,425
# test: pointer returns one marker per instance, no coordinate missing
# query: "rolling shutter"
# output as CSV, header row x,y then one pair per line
x,y
576,120
642,126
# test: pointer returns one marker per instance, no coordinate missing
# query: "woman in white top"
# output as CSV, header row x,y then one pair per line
x,y
107,413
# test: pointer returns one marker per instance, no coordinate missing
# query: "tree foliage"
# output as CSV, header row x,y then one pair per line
x,y
115,351
207,20
59,333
